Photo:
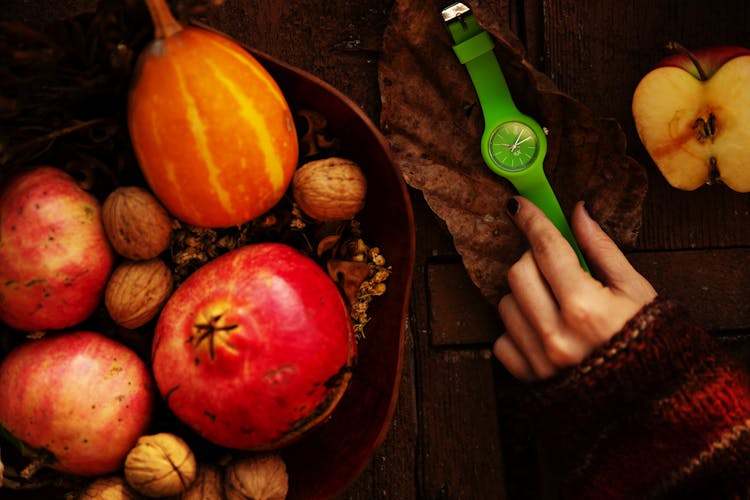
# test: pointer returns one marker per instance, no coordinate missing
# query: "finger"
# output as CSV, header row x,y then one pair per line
x,y
532,294
510,356
603,254
555,257
525,337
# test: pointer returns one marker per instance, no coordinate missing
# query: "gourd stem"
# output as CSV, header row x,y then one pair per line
x,y
165,25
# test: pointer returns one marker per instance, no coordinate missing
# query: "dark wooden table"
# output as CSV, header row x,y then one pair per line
x,y
454,435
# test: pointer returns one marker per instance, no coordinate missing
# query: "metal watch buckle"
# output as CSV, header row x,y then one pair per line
x,y
455,11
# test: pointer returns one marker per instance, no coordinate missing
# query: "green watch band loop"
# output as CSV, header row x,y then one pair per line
x,y
474,47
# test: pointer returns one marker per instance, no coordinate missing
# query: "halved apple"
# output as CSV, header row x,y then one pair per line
x,y
692,113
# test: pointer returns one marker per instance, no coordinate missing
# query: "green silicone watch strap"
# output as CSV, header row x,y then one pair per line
x,y
534,186
474,48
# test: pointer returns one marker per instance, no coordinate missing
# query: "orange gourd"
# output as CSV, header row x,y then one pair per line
x,y
211,129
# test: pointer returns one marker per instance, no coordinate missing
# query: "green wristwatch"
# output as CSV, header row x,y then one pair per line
x,y
513,144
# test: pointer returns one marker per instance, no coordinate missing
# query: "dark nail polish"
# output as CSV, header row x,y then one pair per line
x,y
512,206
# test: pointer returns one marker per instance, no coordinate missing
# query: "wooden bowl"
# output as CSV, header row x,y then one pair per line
x,y
326,461
329,458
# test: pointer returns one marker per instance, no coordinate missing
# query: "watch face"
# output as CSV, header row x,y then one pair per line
x,y
513,146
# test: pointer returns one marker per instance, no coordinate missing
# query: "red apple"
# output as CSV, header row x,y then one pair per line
x,y
692,114
255,348
54,255
80,396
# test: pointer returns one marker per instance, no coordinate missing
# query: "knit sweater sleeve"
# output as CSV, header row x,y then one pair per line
x,y
658,412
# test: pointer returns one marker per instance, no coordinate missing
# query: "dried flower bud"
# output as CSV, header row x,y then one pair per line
x,y
208,484
330,189
137,225
160,465
261,477
136,291
109,488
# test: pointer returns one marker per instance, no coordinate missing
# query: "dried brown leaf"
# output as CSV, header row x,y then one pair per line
x,y
349,276
327,243
433,122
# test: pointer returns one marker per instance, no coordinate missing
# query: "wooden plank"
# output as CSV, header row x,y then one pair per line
x,y
530,29
711,217
714,285
459,314
460,453
391,472
600,63
336,40
459,450
39,13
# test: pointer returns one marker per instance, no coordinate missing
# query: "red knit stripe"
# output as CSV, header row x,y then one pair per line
x,y
689,426
706,407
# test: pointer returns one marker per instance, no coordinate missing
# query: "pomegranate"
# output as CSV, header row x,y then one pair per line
x,y
80,396
255,348
54,255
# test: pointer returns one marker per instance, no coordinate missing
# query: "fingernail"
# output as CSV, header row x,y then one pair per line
x,y
512,206
586,209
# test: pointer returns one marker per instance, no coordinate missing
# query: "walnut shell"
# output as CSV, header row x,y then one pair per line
x,y
208,484
261,477
109,488
330,189
136,291
137,225
160,465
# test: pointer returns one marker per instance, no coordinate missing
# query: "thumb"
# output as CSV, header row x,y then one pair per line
x,y
607,261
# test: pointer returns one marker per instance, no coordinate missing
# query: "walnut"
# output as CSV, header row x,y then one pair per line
x,y
160,465
109,488
260,477
137,225
136,291
330,189
207,485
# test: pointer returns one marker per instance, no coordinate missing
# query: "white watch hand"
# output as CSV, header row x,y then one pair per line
x,y
526,139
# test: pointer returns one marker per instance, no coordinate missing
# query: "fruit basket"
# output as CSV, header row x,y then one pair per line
x,y
328,458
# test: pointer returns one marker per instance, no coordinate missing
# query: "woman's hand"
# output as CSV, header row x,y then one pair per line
x,y
557,313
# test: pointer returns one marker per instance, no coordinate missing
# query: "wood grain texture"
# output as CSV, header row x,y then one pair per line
x,y
459,314
712,284
335,40
459,449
